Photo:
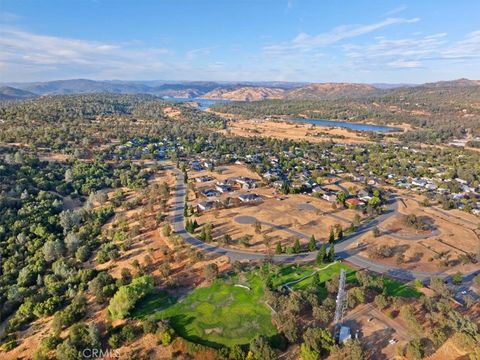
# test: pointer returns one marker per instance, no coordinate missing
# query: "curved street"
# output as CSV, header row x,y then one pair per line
x,y
351,255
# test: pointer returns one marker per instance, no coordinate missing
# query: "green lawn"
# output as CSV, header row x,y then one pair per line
x,y
225,314
221,314
291,272
397,288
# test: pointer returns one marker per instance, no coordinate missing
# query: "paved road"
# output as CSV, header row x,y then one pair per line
x,y
351,255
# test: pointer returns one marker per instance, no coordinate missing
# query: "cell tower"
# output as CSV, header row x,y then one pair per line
x,y
341,299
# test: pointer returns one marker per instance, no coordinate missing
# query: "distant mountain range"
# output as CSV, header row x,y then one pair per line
x,y
244,91
11,93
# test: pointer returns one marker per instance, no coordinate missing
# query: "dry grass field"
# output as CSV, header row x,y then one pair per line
x,y
293,131
439,249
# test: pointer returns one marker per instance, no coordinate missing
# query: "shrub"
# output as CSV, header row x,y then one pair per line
x,y
127,296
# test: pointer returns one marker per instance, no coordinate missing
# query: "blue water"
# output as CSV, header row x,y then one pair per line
x,y
202,103
347,125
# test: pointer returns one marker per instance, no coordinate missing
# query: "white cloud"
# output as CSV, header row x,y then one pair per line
x,y
414,52
36,56
397,10
305,43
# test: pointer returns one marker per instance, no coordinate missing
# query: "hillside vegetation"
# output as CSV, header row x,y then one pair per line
x,y
439,112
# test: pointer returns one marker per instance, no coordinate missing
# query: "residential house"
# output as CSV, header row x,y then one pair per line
x,y
354,203
318,190
196,165
330,196
204,178
210,193
223,188
249,197
206,205
364,195
245,182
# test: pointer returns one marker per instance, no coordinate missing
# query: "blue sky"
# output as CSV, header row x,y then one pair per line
x,y
283,40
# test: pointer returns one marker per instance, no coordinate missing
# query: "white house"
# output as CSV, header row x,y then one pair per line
x,y
249,197
206,205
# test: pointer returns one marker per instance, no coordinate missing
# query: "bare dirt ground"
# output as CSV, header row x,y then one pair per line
x,y
171,112
375,329
448,351
453,236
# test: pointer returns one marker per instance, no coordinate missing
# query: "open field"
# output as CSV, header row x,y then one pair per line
x,y
325,272
293,131
441,248
284,220
220,314
224,172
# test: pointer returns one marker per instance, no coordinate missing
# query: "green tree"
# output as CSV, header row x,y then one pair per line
x,y
319,340
339,233
278,248
307,353
261,349
312,244
331,237
341,197
321,254
167,230
296,246
127,296
331,253
236,353
457,278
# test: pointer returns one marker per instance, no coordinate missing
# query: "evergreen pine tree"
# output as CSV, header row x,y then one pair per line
x,y
278,249
208,233
203,234
331,237
296,246
312,245
321,254
331,253
340,233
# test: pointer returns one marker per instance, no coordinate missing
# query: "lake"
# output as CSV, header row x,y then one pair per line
x,y
347,125
202,103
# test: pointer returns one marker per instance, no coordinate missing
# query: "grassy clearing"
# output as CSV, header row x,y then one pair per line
x,y
220,314
290,273
327,274
397,288
152,303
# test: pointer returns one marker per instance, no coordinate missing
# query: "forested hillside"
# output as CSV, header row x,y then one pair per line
x,y
440,112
